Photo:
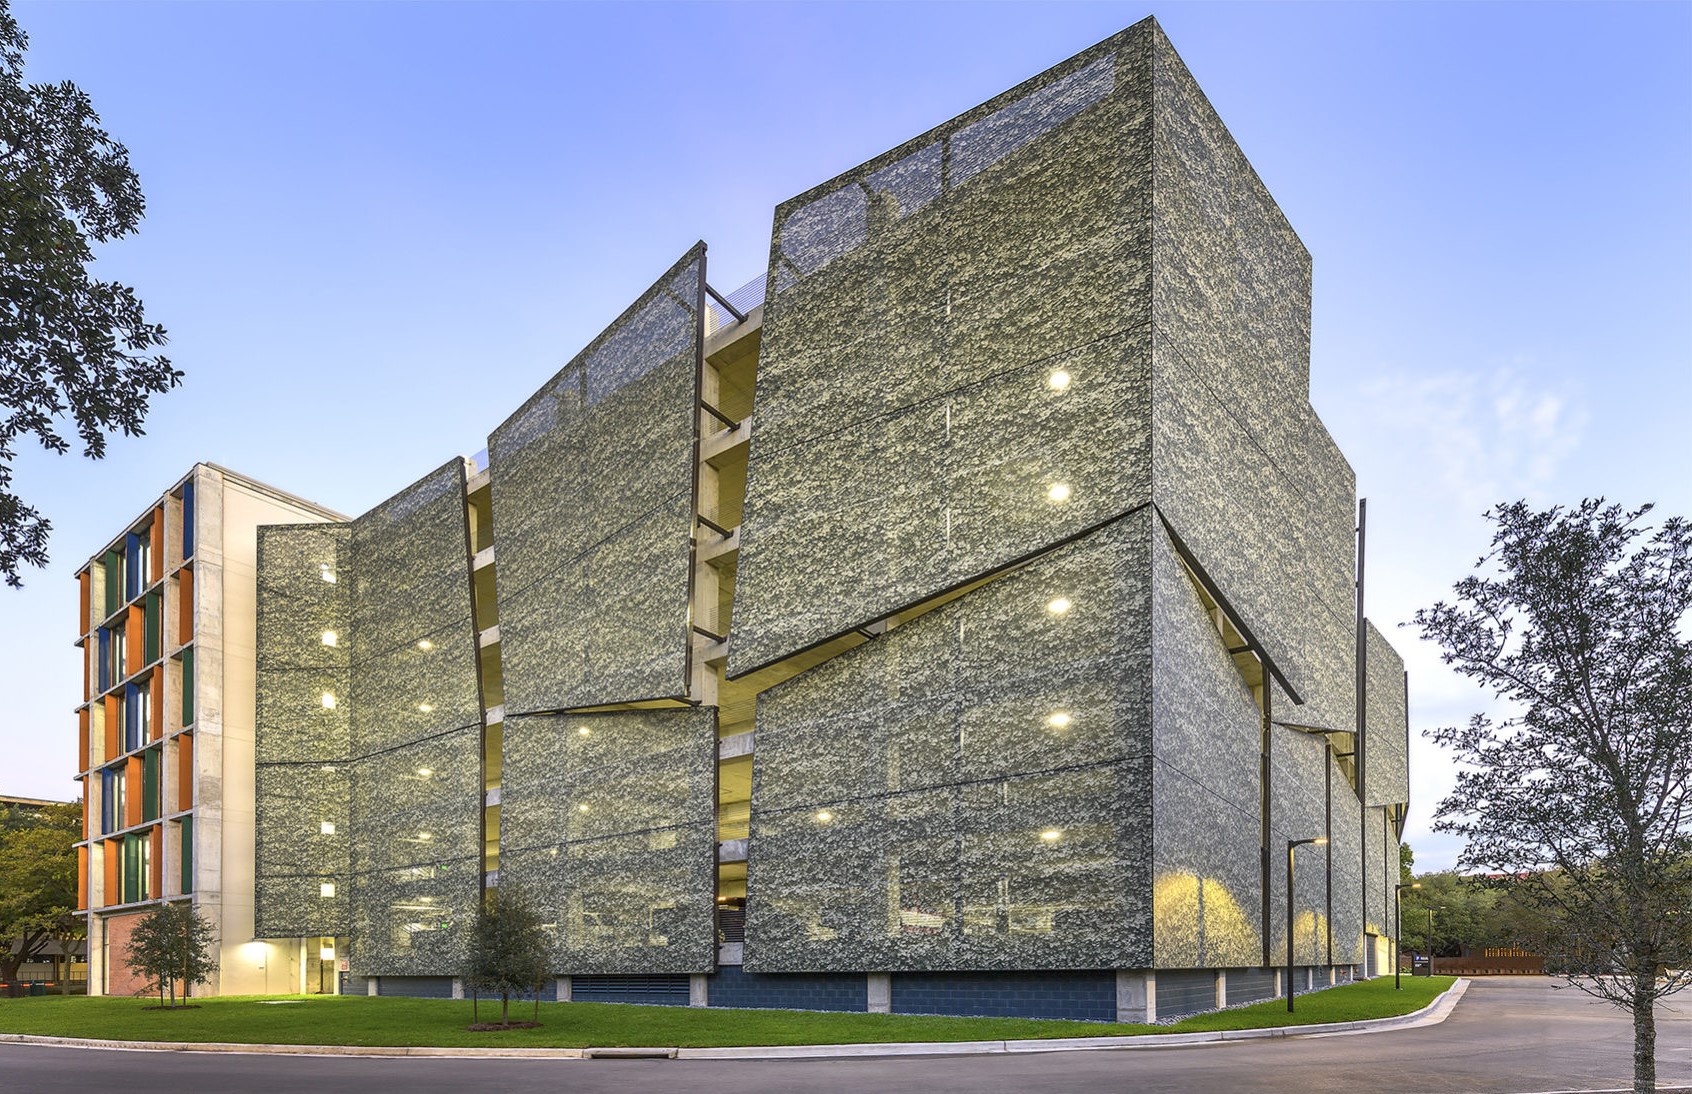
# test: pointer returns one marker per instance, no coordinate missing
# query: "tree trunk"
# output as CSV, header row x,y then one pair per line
x,y
475,1007
1644,1033
505,1008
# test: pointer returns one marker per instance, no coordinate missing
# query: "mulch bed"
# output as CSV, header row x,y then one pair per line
x,y
490,1027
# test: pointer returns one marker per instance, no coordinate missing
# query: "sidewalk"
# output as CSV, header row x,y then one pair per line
x,y
1432,1014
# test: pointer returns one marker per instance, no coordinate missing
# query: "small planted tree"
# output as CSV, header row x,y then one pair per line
x,y
507,955
171,947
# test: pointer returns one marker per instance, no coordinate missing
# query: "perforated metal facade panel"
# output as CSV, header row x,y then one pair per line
x,y
608,822
970,790
593,511
369,778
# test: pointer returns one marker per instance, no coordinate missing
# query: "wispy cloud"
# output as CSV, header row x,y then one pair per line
x,y
1480,437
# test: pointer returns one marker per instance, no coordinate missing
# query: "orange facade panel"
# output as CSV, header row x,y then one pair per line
x,y
88,655
84,582
156,859
185,605
155,699
82,744
114,726
82,872
135,633
133,778
112,852
185,771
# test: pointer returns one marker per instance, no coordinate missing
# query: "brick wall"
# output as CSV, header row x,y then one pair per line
x,y
121,979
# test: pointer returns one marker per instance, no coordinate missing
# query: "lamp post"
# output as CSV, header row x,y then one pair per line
x,y
1292,843
1398,930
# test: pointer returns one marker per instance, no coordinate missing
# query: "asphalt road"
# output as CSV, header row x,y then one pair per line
x,y
1513,1035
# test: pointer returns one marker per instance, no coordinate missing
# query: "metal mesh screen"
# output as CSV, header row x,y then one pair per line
x,y
970,790
608,821
952,374
592,511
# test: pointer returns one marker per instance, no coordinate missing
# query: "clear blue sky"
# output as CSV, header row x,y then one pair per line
x,y
374,229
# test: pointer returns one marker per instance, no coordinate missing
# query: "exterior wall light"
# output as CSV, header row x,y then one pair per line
x,y
824,816
425,645
424,772
327,889
1058,380
1057,605
584,731
1058,491
327,828
328,700
1058,719
329,638
326,573
582,808
1052,835
425,707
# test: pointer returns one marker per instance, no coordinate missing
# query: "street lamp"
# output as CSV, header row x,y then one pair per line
x,y
1398,929
1318,841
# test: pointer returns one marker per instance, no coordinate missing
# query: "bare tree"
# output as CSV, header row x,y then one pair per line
x,y
1579,621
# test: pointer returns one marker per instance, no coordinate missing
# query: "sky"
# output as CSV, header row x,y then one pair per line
x,y
374,229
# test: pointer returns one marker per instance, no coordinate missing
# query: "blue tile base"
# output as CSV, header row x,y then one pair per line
x,y
1087,996
731,987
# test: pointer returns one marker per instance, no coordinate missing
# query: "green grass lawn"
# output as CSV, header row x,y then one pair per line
x,y
361,1020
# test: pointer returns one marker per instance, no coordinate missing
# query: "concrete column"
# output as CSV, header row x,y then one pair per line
x,y
563,989
698,990
370,985
1221,988
1310,978
1333,976
300,987
457,987
1280,988
880,992
1136,996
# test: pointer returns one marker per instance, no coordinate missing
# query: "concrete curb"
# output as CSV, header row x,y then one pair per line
x,y
1432,1014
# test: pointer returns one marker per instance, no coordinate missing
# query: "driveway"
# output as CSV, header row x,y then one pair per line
x,y
1509,1035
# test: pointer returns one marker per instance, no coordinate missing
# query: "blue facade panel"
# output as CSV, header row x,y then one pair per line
x,y
188,519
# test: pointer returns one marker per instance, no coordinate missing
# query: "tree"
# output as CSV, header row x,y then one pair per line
x,y
37,881
70,344
508,951
1579,622
171,945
